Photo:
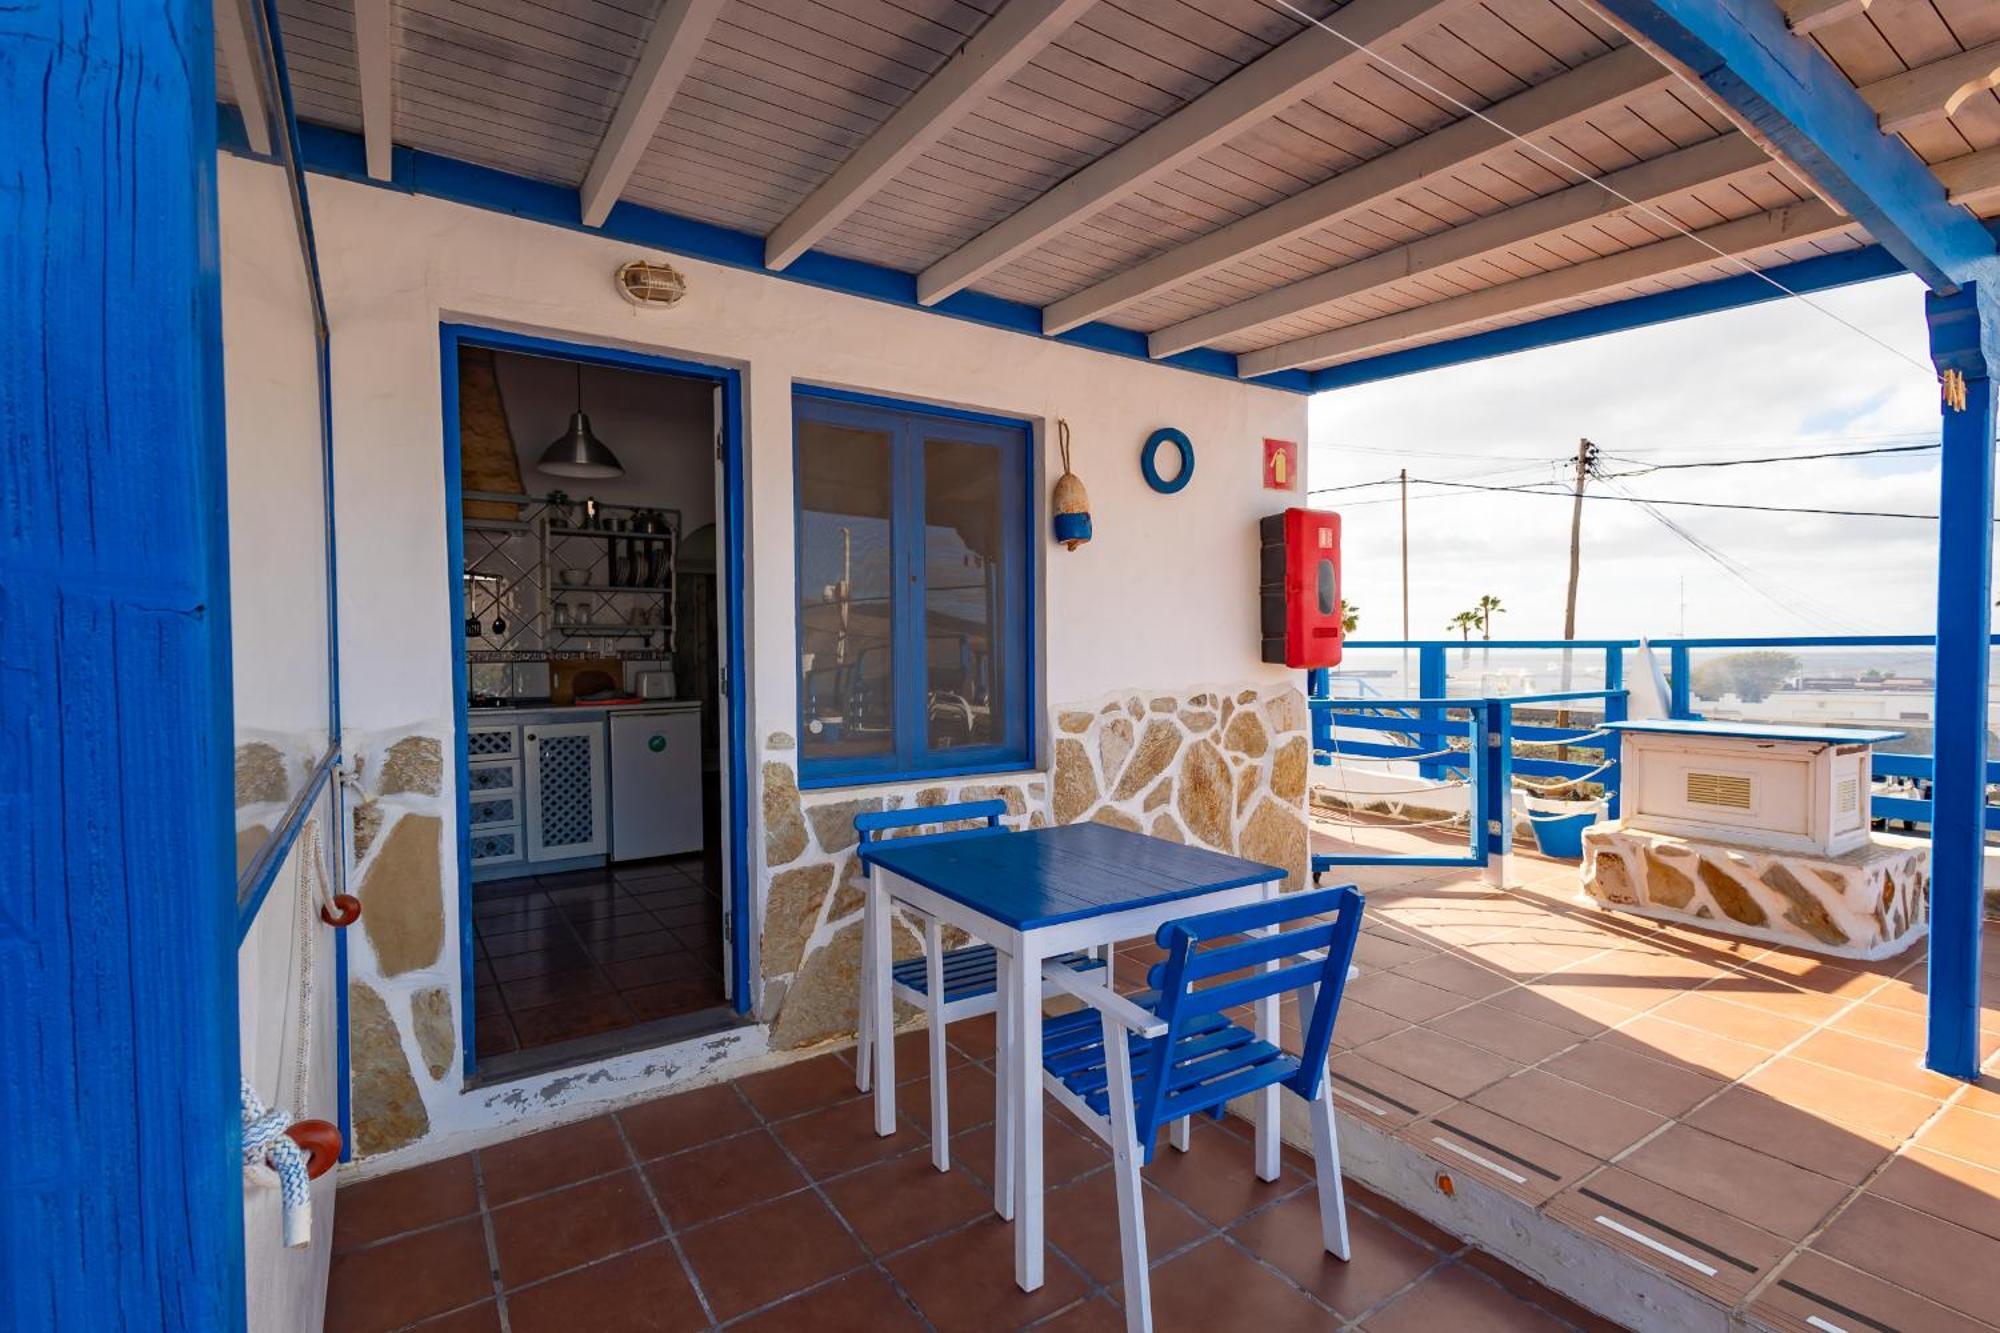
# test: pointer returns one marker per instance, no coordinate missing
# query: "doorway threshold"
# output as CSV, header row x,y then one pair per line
x,y
602,1046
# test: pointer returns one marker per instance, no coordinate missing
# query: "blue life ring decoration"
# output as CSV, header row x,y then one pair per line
x,y
1149,454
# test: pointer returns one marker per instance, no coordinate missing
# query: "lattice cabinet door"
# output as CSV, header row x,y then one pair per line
x,y
567,810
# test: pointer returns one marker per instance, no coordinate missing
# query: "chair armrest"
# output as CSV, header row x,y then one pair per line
x,y
1105,1000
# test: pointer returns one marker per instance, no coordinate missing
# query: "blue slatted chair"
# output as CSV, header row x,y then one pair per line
x,y
947,984
1128,1065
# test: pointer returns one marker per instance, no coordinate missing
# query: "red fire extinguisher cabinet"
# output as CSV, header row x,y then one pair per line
x,y
1300,587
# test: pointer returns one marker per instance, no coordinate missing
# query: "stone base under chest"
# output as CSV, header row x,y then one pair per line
x,y
1871,902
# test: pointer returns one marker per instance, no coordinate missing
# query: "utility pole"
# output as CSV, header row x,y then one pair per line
x,y
1586,460
1403,477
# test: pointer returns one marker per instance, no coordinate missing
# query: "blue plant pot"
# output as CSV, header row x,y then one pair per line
x,y
1563,837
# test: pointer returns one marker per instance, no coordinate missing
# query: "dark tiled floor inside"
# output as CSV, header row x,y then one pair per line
x,y
575,955
769,1203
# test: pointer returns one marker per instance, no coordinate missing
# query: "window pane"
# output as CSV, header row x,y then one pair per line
x,y
846,680
964,605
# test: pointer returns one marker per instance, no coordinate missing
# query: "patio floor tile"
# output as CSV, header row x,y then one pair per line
x,y
794,1089
721,1177
840,1138
1384,1260
861,1302
766,1253
1759,1120
1519,1039
1458,1297
419,1197
1216,1178
561,1156
1217,1285
1569,1113
1083,1224
549,1233
1438,1061
435,1271
1781,1198
899,1202
1917,1252
963,1281
1942,1186
644,1288
670,1124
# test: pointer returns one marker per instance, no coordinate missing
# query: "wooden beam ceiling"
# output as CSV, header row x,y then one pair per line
x,y
1626,193
1543,109
375,75
1309,60
677,34
242,45
1931,93
1677,254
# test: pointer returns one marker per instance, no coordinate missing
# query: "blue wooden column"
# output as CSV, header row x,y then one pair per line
x,y
1493,730
1965,339
120,1189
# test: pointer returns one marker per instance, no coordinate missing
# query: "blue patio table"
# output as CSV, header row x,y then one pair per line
x,y
1033,896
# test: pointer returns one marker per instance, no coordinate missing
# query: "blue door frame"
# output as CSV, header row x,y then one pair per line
x,y
120,1186
451,337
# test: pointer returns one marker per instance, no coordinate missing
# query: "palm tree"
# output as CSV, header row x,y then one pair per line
x,y
1465,622
1487,606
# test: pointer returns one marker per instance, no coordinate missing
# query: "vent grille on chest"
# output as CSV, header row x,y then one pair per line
x,y
1730,791
1849,795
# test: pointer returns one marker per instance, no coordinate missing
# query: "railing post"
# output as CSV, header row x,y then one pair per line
x,y
1496,761
1965,346
1616,708
1680,683
1431,684
1319,685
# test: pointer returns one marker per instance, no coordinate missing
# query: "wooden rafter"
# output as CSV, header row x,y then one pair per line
x,y
1676,254
1636,187
1267,85
1930,93
678,32
1540,110
375,73
1808,16
1973,178
236,28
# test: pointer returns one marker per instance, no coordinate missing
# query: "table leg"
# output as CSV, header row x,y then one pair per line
x,y
1269,1145
1004,1121
1025,1092
881,1021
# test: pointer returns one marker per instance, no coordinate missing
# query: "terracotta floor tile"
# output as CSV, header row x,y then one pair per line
x,y
1610,1064
1813,1286
412,1277
721,1177
1217,1176
861,1302
1357,1024
670,1124
643,1289
1970,1135
1898,1066
1379,951
481,1318
1437,1061
419,1196
969,1093
1561,1006
1945,1187
1402,997
1216,1285
1850,1098
1457,974
1524,1288
1946,1263
1458,1297
963,1281
1503,1153
544,1235
1082,1221
1517,1038
1066,1153
805,1085
1593,1122
1686,1239
1764,1191
538,1162
1425,1232
842,1137
1380,1095
770,1251
904,1200
1383,1259
1759,1120
1774,997
1658,1039
973,1036
1097,1315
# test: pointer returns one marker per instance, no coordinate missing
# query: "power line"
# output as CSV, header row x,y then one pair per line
x,y
1643,468
1688,504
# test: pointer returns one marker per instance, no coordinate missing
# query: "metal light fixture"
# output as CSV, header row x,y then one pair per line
x,y
577,452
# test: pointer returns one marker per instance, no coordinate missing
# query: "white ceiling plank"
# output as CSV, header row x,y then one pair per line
x,y
1546,107
1743,236
1973,178
1932,92
1582,204
1005,43
236,27
1805,17
676,37
373,62
1280,77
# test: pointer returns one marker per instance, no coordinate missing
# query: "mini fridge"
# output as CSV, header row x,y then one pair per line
x,y
655,781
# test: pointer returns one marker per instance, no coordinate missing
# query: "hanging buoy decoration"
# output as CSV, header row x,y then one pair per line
x,y
1071,502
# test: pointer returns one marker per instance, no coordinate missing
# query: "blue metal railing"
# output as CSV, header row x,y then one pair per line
x,y
1420,719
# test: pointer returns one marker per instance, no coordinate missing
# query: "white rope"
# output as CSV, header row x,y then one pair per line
x,y
270,1157
1389,823
1584,175
1546,788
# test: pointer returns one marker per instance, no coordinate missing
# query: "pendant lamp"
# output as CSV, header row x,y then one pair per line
x,y
577,452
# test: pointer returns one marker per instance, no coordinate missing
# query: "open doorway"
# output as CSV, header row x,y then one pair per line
x,y
596,744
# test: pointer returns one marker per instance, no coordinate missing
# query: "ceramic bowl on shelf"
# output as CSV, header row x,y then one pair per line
x,y
571,578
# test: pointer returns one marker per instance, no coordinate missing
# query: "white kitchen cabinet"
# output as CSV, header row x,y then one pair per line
x,y
568,815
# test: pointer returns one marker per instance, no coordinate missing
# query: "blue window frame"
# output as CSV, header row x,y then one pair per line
x,y
914,589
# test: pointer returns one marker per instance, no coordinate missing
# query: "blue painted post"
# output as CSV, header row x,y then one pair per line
x,y
1431,684
1497,791
1965,341
1319,685
121,1201
1680,684
1616,708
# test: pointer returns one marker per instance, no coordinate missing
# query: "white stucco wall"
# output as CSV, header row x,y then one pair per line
x,y
1164,597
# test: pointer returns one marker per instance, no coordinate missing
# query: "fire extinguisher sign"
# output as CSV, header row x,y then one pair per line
x,y
1281,465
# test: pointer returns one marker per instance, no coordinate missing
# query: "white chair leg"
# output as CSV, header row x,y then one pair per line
x,y
934,1005
864,1035
1125,1175
1179,1134
1003,1106
1326,1167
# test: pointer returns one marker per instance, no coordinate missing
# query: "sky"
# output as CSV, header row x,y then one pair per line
x,y
1781,378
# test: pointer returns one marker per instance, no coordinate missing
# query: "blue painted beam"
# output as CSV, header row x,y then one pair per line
x,y
121,1201
1787,90
1965,338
